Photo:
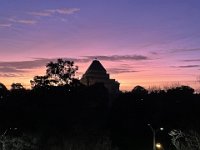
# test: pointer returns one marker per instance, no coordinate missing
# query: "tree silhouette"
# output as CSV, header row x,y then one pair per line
x,y
139,90
17,86
3,91
187,140
58,73
62,71
40,82
186,90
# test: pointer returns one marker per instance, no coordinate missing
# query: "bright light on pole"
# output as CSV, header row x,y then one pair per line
x,y
154,131
158,145
161,129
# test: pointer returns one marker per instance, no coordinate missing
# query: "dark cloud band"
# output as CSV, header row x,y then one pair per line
x,y
24,66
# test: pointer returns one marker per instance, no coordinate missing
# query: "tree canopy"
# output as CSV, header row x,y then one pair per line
x,y
58,73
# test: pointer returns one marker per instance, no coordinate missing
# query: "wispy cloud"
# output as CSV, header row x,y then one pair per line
x,y
10,75
43,14
23,21
118,57
27,21
10,69
65,11
24,66
5,25
184,50
154,53
186,66
50,12
20,65
118,70
191,60
189,66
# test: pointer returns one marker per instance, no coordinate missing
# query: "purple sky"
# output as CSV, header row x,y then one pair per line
x,y
146,42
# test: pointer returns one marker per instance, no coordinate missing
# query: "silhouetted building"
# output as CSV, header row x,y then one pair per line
x,y
96,73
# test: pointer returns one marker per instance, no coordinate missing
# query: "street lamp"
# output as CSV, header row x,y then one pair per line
x,y
159,146
154,131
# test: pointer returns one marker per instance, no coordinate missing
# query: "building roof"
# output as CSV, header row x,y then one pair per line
x,y
96,66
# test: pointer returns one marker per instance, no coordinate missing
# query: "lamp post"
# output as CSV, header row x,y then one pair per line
x,y
154,131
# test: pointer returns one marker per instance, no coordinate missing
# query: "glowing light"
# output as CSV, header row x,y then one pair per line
x,y
161,129
158,145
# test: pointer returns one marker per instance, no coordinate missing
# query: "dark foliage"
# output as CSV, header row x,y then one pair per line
x,y
77,109
59,107
58,73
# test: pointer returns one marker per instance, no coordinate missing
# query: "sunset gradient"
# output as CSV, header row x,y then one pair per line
x,y
139,42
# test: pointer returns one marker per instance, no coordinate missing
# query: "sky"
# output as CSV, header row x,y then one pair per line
x,y
152,43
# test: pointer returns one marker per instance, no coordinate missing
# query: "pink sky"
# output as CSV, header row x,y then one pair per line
x,y
129,73
139,42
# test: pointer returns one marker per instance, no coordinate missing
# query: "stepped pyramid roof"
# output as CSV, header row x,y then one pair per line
x,y
96,66
96,73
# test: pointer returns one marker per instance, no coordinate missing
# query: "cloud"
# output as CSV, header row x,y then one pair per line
x,y
20,65
25,66
191,60
10,69
23,21
43,14
64,11
154,53
187,66
5,25
10,75
118,57
50,12
118,70
27,21
184,50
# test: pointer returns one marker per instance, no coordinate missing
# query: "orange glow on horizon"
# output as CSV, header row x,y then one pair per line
x,y
127,80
